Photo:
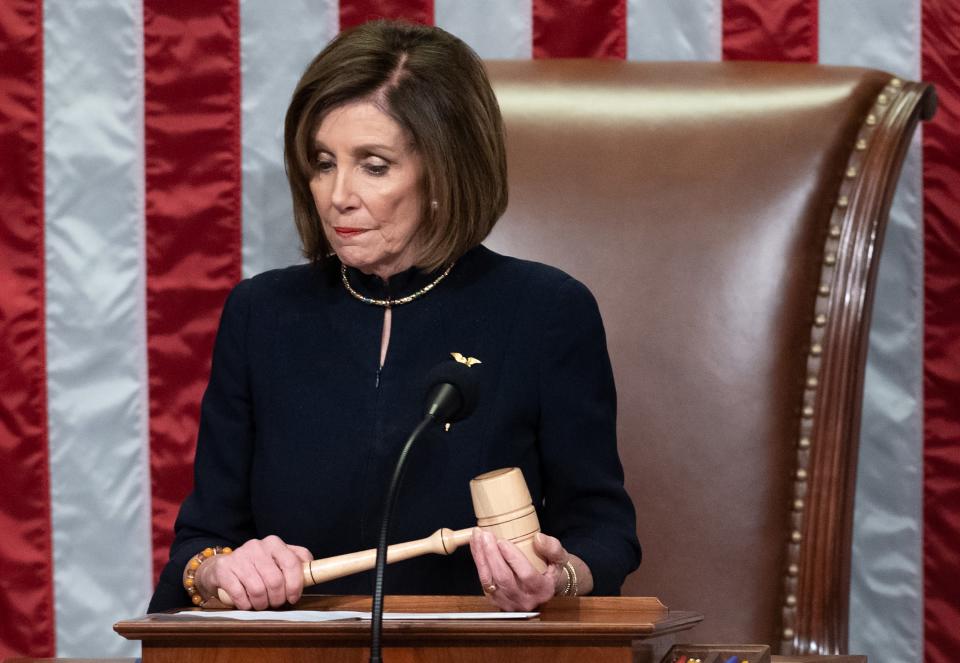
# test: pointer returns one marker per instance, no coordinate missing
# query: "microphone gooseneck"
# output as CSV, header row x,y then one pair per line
x,y
452,394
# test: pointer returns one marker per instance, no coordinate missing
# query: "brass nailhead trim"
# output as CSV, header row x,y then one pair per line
x,y
816,349
896,82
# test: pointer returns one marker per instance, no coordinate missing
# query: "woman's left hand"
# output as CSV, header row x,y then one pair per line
x,y
508,577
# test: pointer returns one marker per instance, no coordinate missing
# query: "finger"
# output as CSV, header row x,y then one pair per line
x,y
490,589
292,569
222,577
550,548
282,573
480,561
509,595
500,571
305,557
253,591
231,584
272,578
518,562
534,587
250,569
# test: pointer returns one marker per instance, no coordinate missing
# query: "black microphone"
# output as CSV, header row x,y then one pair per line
x,y
452,393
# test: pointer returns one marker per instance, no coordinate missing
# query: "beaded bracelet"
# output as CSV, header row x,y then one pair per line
x,y
190,572
572,586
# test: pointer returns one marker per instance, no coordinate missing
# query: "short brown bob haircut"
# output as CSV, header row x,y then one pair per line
x,y
435,87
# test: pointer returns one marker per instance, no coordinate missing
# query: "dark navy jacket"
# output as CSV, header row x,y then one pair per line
x,y
300,431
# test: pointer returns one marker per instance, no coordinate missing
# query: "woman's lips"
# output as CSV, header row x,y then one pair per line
x,y
343,231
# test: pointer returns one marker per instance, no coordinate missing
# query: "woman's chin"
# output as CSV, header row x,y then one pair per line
x,y
361,262
381,265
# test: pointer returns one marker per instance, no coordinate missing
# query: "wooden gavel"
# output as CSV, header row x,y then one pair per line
x,y
502,504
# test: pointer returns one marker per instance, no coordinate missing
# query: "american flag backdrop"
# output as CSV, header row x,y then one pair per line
x,y
141,177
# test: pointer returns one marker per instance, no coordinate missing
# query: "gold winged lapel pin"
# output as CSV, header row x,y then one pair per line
x,y
466,361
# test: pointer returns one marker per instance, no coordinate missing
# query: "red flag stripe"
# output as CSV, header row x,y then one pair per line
x,y
355,12
786,30
579,29
193,225
27,627
941,199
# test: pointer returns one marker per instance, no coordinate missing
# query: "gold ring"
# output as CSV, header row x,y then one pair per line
x,y
490,589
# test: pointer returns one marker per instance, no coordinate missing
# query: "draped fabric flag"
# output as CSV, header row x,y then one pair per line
x,y
141,177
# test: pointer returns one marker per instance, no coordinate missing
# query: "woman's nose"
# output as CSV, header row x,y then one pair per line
x,y
342,196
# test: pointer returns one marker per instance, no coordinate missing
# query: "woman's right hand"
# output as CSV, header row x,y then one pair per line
x,y
260,574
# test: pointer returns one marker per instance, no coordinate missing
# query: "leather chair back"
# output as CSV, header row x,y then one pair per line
x,y
728,218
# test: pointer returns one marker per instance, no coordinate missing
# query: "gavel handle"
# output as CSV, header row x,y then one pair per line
x,y
442,542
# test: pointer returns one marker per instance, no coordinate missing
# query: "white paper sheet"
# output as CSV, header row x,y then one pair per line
x,y
334,615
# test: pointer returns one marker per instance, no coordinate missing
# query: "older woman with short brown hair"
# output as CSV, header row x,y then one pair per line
x,y
395,155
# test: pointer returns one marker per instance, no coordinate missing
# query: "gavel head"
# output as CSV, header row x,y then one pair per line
x,y
504,508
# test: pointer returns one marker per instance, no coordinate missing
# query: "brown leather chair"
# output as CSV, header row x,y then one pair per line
x,y
728,218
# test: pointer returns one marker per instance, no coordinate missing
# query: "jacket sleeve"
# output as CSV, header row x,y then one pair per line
x,y
217,512
585,503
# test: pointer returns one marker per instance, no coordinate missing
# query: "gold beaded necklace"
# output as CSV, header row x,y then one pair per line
x,y
387,303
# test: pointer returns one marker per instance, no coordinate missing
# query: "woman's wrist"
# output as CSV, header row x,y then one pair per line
x,y
205,588
575,578
568,580
196,571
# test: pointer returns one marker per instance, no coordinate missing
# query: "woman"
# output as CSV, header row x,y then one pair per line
x,y
395,157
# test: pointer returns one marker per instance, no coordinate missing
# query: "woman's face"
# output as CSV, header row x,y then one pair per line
x,y
366,186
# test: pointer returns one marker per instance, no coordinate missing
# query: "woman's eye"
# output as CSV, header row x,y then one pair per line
x,y
376,169
323,165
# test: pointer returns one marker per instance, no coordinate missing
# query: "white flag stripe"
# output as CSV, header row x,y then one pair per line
x,y
886,598
95,317
881,34
277,41
886,592
674,30
495,29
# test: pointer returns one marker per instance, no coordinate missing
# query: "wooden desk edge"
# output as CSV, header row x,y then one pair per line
x,y
597,618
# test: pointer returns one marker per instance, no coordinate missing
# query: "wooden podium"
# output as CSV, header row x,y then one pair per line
x,y
600,629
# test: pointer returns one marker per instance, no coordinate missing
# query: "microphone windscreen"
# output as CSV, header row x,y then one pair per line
x,y
466,383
